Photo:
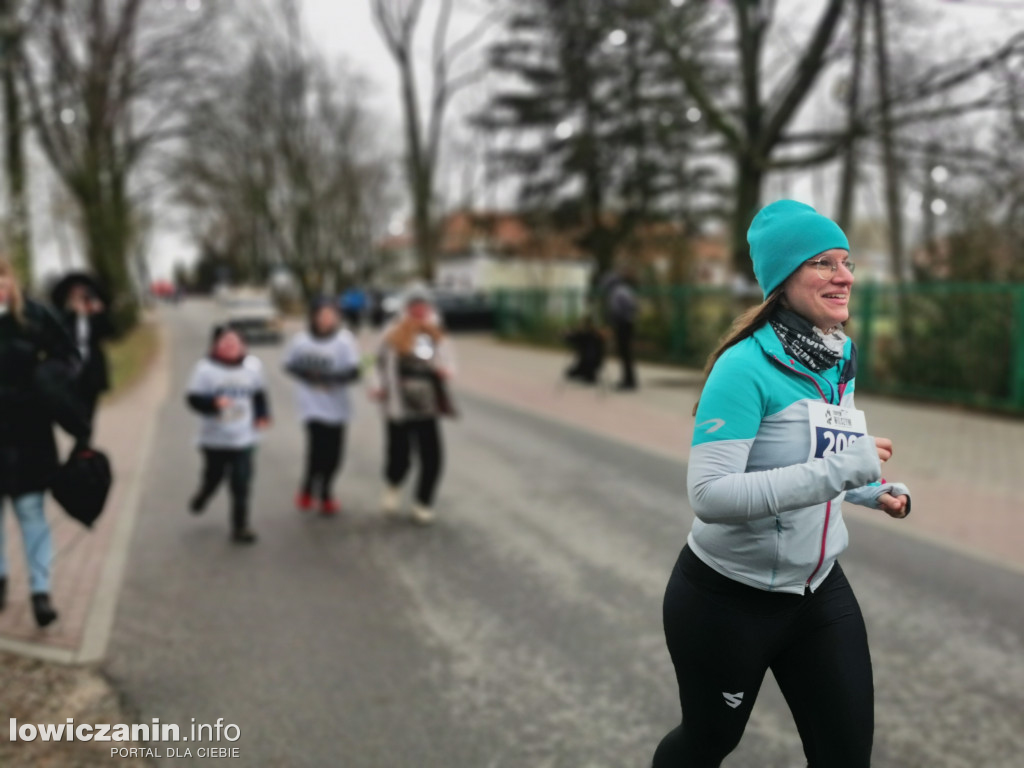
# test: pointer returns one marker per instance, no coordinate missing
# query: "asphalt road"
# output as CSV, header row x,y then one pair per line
x,y
523,629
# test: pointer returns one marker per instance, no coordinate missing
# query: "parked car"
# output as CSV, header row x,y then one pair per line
x,y
459,310
254,315
465,310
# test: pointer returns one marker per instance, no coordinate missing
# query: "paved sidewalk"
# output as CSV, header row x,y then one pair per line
x,y
87,564
964,469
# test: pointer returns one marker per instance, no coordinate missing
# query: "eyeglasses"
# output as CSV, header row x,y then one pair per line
x,y
826,268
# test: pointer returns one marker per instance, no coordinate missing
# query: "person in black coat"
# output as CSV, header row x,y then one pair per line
x,y
588,344
80,304
38,364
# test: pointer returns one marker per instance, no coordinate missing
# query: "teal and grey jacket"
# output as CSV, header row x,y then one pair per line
x,y
767,515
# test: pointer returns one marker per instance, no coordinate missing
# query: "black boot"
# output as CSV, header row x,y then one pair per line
x,y
197,503
243,536
3,592
42,609
241,533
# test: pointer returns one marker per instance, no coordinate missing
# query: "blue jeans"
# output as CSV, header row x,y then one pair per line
x,y
35,536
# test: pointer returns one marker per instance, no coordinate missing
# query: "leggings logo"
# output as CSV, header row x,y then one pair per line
x,y
733,699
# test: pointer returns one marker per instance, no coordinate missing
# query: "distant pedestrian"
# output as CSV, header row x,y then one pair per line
x,y
227,390
82,307
778,446
588,345
621,305
38,361
376,310
353,304
324,359
414,364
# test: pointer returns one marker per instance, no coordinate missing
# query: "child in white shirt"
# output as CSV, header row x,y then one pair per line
x,y
227,389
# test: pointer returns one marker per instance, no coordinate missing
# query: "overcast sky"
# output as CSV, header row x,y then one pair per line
x,y
345,28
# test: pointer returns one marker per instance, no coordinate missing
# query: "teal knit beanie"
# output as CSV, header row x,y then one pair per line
x,y
783,235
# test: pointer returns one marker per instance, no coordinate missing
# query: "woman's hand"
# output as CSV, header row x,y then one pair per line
x,y
377,394
884,447
222,402
893,506
263,423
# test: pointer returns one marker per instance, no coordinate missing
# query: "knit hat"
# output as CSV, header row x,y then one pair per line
x,y
218,330
318,303
785,234
417,295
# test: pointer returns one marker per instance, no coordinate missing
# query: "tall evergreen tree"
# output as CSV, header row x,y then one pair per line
x,y
606,136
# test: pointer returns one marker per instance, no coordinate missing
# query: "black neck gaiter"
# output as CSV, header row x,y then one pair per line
x,y
817,350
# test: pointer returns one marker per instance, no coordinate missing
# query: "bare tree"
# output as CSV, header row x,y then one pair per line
x,y
280,166
757,118
397,21
105,81
757,126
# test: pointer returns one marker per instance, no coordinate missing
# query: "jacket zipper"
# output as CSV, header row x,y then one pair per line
x,y
828,504
828,516
821,555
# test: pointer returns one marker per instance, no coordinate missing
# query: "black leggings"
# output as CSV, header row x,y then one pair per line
x,y
325,449
425,436
624,345
237,464
723,636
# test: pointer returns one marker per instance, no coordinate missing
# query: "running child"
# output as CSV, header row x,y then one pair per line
x,y
227,390
324,359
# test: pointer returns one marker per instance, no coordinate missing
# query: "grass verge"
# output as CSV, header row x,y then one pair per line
x,y
131,356
42,692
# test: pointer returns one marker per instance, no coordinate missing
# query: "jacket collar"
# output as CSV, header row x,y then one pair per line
x,y
771,345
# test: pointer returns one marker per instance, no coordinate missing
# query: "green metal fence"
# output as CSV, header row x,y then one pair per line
x,y
951,342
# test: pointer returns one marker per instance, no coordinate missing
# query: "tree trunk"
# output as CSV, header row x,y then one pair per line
x,y
749,183
419,171
107,233
18,225
929,234
848,181
423,224
892,182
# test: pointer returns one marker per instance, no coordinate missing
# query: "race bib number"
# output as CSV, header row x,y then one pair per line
x,y
834,428
235,412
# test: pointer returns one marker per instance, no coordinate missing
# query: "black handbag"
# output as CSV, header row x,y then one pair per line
x,y
81,485
445,405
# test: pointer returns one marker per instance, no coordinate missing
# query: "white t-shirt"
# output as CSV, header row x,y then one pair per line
x,y
82,335
333,355
233,426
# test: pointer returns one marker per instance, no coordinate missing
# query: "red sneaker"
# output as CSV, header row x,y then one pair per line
x,y
304,502
329,507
